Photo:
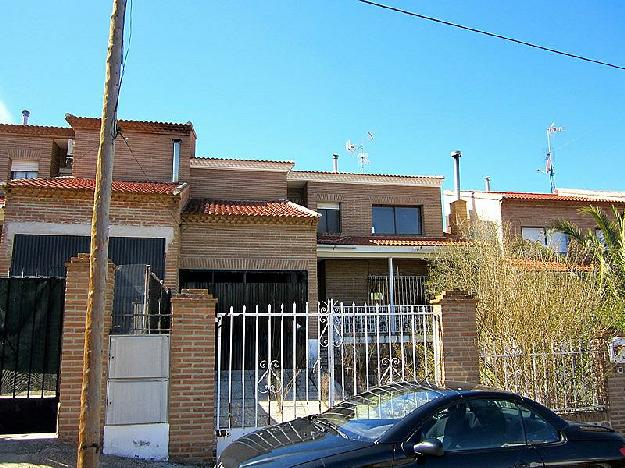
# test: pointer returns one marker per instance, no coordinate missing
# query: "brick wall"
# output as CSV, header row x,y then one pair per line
x,y
151,157
192,377
523,213
26,147
72,346
45,206
616,398
356,201
346,280
456,338
223,246
237,185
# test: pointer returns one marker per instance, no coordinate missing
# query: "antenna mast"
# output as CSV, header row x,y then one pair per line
x,y
549,160
362,155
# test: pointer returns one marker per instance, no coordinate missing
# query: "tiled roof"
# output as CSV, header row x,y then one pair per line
x,y
366,179
370,174
37,130
242,164
80,184
386,241
554,197
216,158
140,125
249,208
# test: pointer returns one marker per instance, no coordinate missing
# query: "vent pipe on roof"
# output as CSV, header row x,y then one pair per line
x,y
335,163
456,155
25,115
175,171
487,183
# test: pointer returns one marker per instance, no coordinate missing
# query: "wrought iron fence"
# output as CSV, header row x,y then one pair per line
x,y
567,377
408,289
274,365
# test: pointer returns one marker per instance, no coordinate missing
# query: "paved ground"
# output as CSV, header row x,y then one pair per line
x,y
44,450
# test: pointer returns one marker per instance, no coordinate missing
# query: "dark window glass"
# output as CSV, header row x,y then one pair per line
x,y
24,174
396,220
383,220
537,430
330,222
476,424
408,220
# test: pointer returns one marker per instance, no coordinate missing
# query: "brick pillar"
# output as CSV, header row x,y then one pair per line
x,y
73,342
192,377
456,338
616,397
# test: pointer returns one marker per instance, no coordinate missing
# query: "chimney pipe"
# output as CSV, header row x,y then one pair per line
x,y
487,183
25,115
456,155
175,172
335,163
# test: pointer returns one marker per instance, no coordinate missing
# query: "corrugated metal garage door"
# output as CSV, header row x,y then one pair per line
x,y
36,255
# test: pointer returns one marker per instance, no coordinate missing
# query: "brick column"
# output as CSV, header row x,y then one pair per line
x,y
456,338
616,397
192,377
73,343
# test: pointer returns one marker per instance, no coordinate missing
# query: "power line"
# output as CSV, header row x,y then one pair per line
x,y
490,34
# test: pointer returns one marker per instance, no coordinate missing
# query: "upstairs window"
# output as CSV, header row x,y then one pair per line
x,y
555,240
396,220
24,169
330,222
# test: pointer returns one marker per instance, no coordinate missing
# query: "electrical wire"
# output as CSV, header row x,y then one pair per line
x,y
490,34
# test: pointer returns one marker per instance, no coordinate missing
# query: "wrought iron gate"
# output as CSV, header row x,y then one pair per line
x,y
31,316
274,365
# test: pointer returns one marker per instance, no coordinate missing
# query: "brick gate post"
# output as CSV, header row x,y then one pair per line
x,y
455,340
73,343
616,397
192,377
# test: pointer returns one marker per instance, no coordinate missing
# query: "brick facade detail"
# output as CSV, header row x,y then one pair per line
x,y
72,347
457,338
237,185
192,377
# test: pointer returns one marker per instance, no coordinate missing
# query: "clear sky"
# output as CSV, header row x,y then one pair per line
x,y
288,79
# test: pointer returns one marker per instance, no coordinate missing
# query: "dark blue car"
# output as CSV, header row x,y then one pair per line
x,y
408,424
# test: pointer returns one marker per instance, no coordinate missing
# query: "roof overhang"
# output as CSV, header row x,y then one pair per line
x,y
374,251
365,179
241,164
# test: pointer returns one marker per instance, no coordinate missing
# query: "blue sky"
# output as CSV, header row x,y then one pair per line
x,y
285,79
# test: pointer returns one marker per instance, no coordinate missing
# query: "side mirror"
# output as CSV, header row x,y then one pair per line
x,y
429,447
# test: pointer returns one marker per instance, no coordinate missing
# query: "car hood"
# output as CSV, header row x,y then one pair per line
x,y
300,440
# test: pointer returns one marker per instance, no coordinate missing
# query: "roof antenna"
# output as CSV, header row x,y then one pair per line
x,y
550,169
362,155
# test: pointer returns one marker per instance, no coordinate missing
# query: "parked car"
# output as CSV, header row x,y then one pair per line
x,y
410,424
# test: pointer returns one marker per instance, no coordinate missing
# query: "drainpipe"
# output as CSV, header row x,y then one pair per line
x,y
391,285
456,155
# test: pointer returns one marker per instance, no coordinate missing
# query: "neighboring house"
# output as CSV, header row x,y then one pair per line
x,y
532,215
251,231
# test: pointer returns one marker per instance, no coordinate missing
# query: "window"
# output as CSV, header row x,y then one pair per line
x,y
555,240
476,424
24,169
330,222
400,220
537,430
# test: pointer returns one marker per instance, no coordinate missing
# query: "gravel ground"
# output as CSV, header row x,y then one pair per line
x,y
44,450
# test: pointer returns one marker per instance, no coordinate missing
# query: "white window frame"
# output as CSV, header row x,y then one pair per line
x,y
24,169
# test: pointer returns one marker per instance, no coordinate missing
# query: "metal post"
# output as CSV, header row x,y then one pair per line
x,y
331,352
391,285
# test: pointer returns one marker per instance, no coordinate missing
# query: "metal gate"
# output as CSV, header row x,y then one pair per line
x,y
31,316
274,365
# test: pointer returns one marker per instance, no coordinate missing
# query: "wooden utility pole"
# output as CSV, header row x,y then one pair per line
x,y
91,403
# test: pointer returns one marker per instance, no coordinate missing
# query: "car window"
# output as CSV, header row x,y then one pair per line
x,y
476,424
537,430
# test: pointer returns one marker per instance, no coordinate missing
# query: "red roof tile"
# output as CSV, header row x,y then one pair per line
x,y
249,208
140,125
38,130
386,241
554,197
75,183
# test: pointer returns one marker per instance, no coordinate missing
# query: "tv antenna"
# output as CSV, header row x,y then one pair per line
x,y
360,152
550,169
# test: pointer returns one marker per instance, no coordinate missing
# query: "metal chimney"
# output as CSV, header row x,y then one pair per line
x,y
456,155
175,171
335,163
487,183
25,115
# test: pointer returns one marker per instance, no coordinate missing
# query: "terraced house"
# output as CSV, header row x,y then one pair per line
x,y
250,231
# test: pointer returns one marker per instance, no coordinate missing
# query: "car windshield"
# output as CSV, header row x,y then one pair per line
x,y
369,415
